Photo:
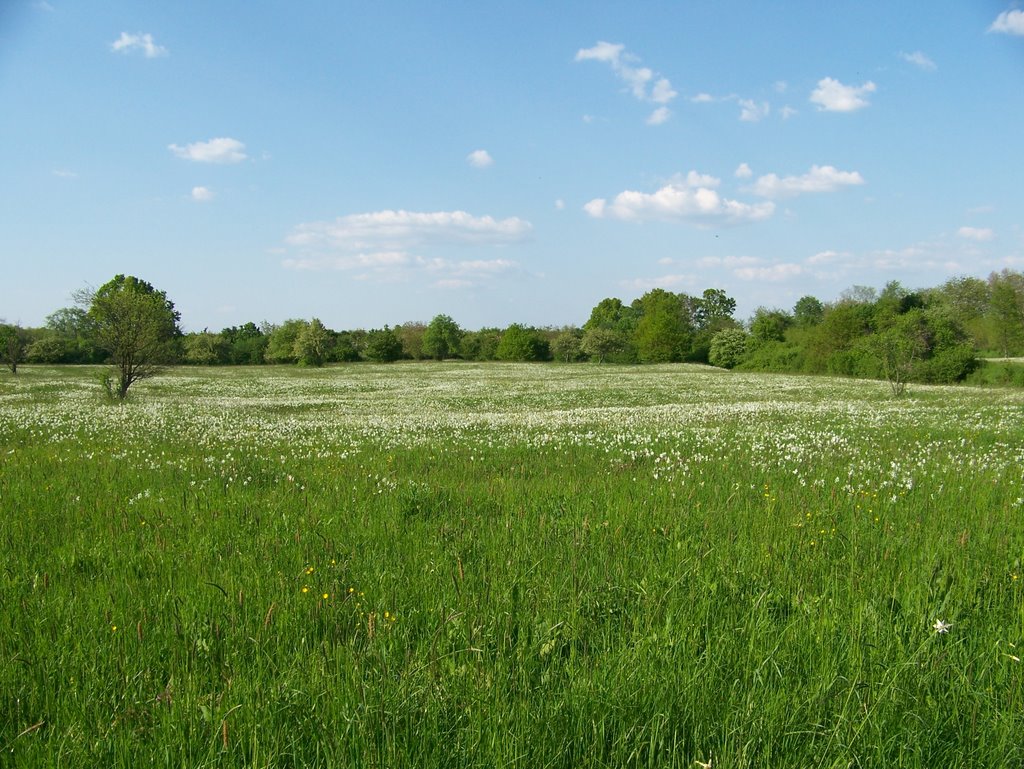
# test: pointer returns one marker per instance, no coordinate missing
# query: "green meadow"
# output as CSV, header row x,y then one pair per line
x,y
497,565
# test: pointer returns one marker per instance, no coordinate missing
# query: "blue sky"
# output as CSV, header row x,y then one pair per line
x,y
372,163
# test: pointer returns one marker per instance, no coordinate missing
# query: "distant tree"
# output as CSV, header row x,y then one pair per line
x,y
136,325
1006,310
662,333
281,341
601,343
859,295
728,348
411,335
312,344
714,307
244,345
567,345
480,345
72,327
13,341
204,348
808,311
898,349
442,338
769,325
382,346
522,343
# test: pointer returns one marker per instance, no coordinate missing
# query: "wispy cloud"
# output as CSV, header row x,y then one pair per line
x,y
772,273
920,60
833,96
221,150
1009,23
978,234
140,41
480,159
63,173
644,83
690,199
202,194
818,179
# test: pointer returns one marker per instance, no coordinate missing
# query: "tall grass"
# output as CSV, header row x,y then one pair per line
x,y
496,565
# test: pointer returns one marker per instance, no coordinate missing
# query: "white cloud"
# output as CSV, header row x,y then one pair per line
x,y
773,274
743,171
659,116
202,194
833,96
480,159
694,179
139,41
780,86
920,60
63,173
221,150
559,205
979,234
392,230
1009,23
752,112
679,201
787,112
730,262
702,98
662,281
818,179
825,257
644,83
349,261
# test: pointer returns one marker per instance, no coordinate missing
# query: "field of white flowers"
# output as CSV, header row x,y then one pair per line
x,y
496,564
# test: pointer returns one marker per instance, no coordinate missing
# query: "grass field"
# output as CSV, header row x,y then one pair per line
x,y
456,565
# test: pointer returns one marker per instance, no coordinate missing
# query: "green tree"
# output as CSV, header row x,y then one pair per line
x,y
136,325
769,326
411,335
442,338
567,345
281,341
13,342
1006,310
312,344
382,346
602,343
728,348
522,343
244,345
204,348
808,311
662,333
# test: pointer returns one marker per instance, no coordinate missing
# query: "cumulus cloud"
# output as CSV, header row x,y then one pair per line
x,y
202,194
222,150
393,230
644,83
978,234
920,60
702,98
690,199
1009,23
818,179
743,171
833,96
140,41
480,159
752,112
659,116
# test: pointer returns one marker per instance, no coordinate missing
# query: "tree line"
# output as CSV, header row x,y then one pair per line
x,y
929,335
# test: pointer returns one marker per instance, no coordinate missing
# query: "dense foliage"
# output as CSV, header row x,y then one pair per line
x,y
928,335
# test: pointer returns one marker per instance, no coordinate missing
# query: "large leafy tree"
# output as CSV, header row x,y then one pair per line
x,y
442,338
135,324
663,332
